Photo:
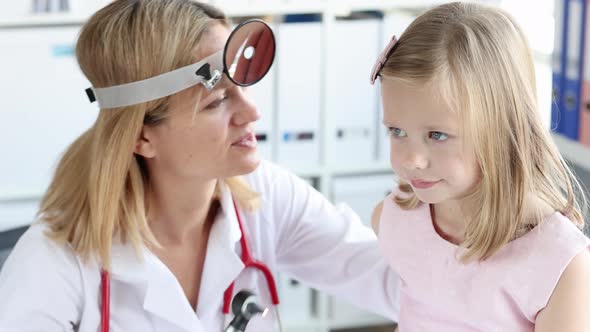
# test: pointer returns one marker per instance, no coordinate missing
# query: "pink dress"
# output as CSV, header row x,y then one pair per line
x,y
503,293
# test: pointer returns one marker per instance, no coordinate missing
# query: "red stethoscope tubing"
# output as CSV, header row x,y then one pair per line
x,y
247,258
250,262
105,301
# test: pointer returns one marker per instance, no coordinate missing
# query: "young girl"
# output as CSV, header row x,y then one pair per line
x,y
162,211
484,228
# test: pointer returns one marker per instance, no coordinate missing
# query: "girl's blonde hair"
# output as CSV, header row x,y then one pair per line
x,y
479,60
98,190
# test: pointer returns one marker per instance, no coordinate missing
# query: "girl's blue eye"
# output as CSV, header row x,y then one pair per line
x,y
396,132
438,136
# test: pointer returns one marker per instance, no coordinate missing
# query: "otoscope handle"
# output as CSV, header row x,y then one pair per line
x,y
244,307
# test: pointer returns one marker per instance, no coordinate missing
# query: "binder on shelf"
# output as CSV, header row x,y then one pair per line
x,y
558,64
298,91
584,133
263,96
573,69
351,103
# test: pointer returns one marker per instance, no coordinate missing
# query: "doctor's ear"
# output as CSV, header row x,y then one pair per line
x,y
144,146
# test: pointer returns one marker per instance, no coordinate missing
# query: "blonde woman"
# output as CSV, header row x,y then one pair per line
x,y
151,212
484,228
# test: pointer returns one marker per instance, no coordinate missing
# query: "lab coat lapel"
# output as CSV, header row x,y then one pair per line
x,y
165,298
222,263
162,295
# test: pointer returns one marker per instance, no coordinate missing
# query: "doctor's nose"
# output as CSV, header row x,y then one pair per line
x,y
246,110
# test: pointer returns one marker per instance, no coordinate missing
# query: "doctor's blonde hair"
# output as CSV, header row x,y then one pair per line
x,y
99,186
479,60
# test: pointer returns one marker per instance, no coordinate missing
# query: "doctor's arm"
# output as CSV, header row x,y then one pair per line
x,y
328,248
40,287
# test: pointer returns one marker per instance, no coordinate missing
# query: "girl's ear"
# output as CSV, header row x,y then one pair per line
x,y
144,145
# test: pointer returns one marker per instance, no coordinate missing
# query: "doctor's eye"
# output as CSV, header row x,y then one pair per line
x,y
216,103
396,132
438,136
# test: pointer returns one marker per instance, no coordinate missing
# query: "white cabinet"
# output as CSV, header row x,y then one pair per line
x,y
43,106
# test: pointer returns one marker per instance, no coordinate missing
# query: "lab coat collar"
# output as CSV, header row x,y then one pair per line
x,y
165,298
222,263
163,295
127,265
147,275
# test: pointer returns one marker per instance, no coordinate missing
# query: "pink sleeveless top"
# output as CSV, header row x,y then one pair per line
x,y
503,293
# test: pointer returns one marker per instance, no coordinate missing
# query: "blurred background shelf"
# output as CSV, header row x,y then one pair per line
x,y
573,151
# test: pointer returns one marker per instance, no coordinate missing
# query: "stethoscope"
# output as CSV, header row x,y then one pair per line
x,y
242,316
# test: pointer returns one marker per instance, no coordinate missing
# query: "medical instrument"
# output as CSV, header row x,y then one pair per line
x,y
247,259
246,58
244,307
250,262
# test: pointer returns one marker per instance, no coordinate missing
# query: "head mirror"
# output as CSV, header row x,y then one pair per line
x,y
247,56
249,52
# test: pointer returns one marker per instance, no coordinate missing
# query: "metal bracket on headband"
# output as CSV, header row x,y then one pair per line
x,y
210,80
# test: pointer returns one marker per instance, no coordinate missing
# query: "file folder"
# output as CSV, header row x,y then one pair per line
x,y
263,96
299,84
558,64
573,72
351,101
584,133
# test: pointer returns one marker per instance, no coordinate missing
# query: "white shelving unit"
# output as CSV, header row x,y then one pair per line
x,y
237,8
573,151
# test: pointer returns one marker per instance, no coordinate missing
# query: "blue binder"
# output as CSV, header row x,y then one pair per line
x,y
559,63
572,88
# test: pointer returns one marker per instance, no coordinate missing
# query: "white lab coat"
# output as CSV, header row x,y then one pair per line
x,y
45,287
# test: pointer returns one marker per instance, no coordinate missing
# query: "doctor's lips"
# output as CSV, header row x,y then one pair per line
x,y
248,141
422,184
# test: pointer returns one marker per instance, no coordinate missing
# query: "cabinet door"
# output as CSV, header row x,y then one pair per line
x,y
43,106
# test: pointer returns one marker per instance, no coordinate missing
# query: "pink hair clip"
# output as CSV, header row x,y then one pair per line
x,y
382,58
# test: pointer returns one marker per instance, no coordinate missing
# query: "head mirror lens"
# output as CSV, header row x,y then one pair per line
x,y
249,53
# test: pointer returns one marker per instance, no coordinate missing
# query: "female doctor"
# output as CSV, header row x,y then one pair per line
x,y
152,212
